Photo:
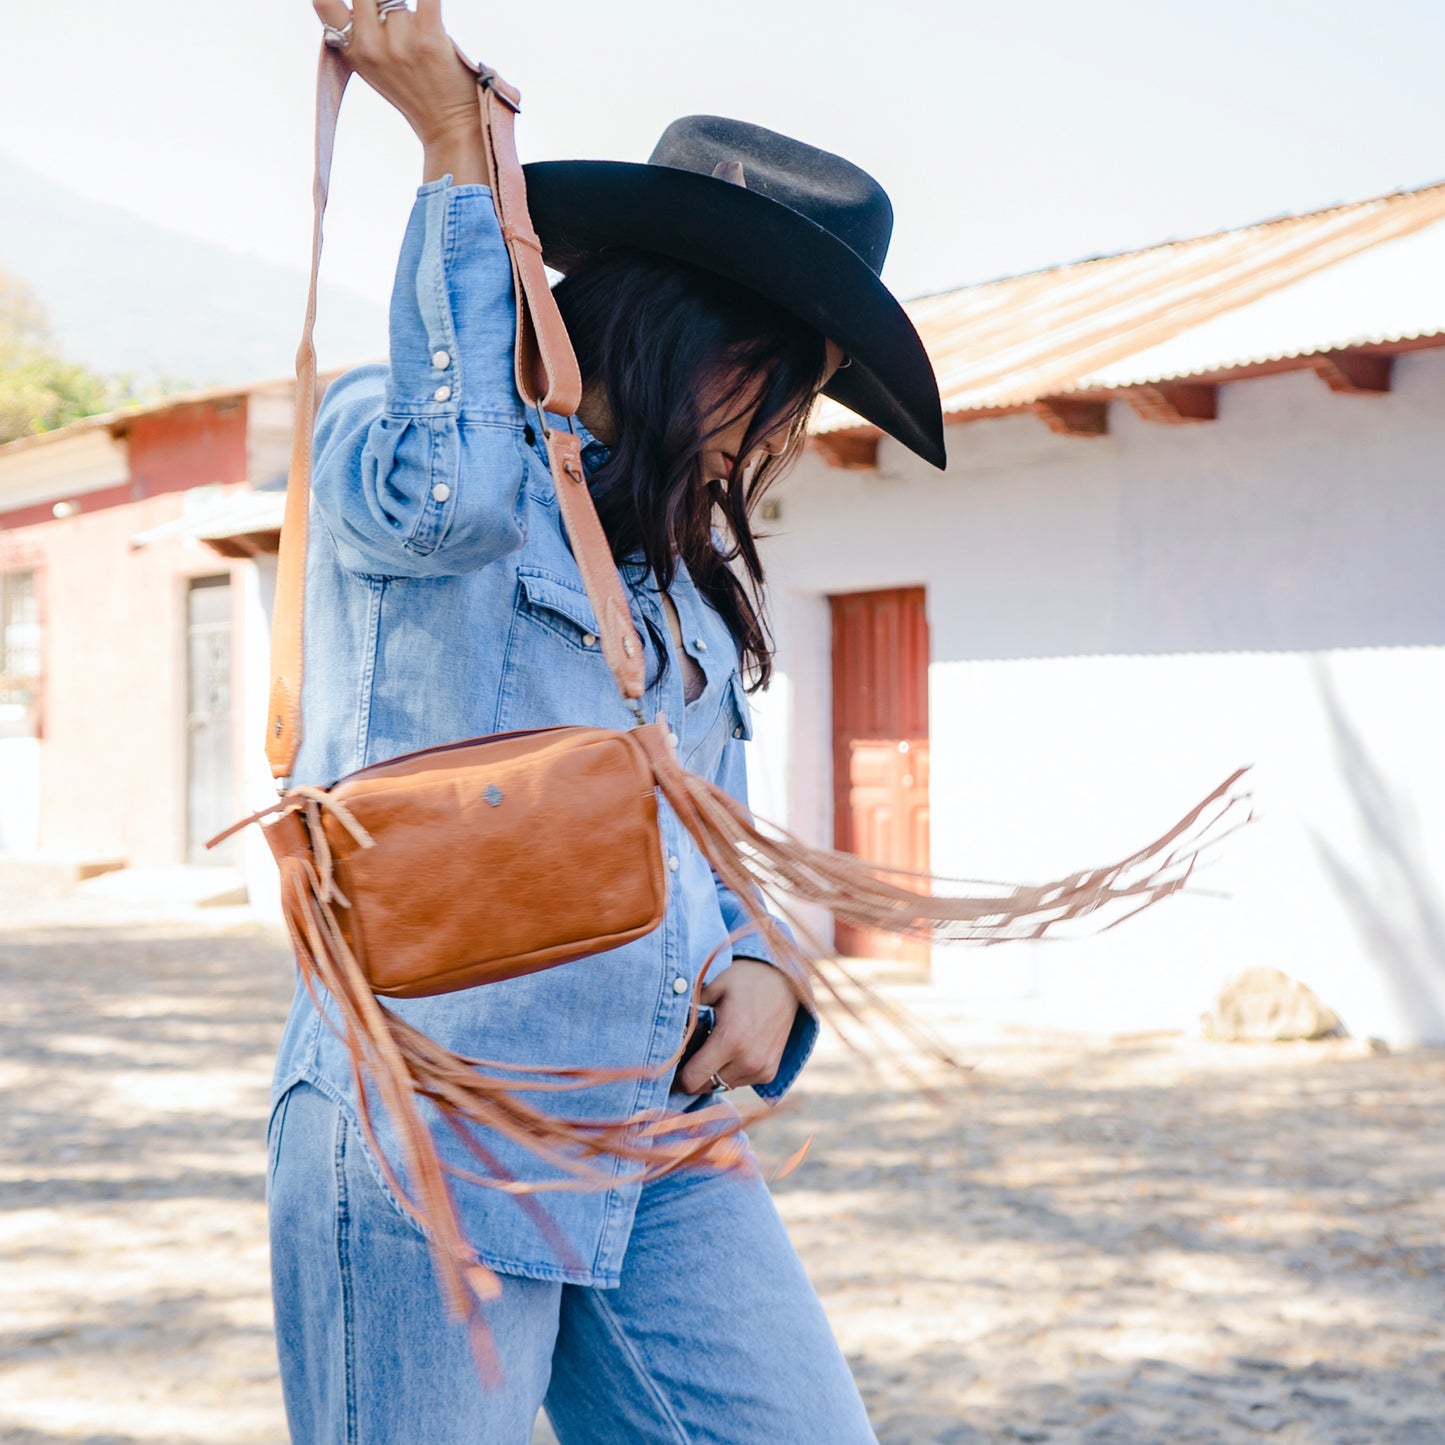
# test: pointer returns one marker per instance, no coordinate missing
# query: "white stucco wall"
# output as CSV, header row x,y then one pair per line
x,y
258,594
1119,622
19,788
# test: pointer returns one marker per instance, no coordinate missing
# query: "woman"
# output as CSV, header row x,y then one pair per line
x,y
710,295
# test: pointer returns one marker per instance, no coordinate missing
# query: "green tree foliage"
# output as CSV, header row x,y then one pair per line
x,y
40,391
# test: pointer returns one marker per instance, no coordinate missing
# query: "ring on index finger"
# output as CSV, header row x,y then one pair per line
x,y
338,38
385,7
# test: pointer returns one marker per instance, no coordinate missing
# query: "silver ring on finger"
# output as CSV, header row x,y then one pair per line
x,y
337,39
385,7
719,1084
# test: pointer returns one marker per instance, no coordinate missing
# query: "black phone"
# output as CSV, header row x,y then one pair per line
x,y
706,1018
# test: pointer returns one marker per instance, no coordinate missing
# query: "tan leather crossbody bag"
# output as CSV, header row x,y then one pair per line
x,y
406,841
493,857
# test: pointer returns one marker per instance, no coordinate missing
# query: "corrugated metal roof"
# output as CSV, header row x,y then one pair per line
x,y
1368,273
1345,276
1393,292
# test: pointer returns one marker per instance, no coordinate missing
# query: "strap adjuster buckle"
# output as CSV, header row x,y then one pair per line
x,y
487,78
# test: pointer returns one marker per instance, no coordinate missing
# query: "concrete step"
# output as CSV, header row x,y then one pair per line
x,y
57,892
34,877
174,886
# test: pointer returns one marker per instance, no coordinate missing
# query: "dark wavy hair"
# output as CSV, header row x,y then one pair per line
x,y
659,336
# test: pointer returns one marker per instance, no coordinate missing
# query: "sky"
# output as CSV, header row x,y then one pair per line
x,y
1010,136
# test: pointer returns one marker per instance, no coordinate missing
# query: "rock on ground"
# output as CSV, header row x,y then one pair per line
x,y
1264,1005
1081,1241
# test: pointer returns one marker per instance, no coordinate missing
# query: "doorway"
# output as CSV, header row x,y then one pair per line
x,y
880,745
210,777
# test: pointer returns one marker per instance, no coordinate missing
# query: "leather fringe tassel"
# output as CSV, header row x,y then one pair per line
x,y
402,1064
775,867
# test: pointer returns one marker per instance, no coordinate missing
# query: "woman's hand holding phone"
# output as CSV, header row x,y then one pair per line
x,y
409,60
755,1007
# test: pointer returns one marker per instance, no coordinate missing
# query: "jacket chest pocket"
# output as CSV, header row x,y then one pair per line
x,y
732,722
554,673
565,611
737,709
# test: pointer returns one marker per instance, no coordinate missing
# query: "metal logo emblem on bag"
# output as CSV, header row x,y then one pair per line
x,y
493,795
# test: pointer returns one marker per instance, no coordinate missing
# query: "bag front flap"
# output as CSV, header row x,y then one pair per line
x,y
486,781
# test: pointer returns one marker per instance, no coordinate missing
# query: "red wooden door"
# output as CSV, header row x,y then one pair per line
x,y
880,744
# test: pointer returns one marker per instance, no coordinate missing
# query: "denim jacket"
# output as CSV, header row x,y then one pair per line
x,y
443,602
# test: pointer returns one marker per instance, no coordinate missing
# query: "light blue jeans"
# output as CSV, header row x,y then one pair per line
x,y
714,1335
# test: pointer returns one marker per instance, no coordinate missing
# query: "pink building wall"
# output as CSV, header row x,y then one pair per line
x,y
112,717
112,728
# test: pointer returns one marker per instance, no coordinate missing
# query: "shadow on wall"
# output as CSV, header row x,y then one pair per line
x,y
1395,904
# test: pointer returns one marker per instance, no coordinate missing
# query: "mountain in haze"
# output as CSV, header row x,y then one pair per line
x,y
125,295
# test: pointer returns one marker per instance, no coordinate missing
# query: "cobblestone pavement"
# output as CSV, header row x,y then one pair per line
x,y
1086,1242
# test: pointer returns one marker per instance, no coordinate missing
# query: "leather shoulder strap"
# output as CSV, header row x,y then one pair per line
x,y
547,378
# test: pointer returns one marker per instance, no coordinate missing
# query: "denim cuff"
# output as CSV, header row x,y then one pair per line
x,y
802,1038
453,314
754,945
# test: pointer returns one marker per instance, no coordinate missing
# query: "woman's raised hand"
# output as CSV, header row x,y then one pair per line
x,y
408,58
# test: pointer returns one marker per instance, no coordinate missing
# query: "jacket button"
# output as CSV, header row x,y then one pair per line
x,y
672,862
589,639
679,984
440,492
698,643
672,740
738,731
441,360
442,393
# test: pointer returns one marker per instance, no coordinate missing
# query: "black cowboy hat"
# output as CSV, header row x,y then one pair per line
x,y
804,228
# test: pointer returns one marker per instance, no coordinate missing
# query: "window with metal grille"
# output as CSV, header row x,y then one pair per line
x,y
19,639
